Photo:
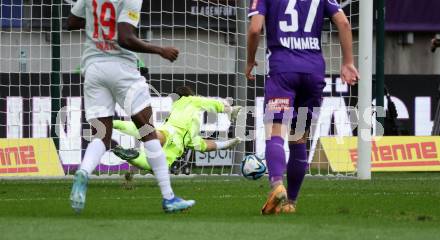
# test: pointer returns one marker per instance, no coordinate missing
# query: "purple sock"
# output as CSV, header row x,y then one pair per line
x,y
296,169
276,159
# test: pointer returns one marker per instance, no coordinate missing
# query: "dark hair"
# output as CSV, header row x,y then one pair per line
x,y
183,91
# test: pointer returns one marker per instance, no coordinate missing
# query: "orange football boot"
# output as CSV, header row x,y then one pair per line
x,y
275,201
288,207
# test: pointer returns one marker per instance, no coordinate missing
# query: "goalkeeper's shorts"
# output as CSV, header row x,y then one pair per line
x,y
177,139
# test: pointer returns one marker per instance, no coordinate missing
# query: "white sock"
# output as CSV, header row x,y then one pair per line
x,y
156,159
93,155
226,144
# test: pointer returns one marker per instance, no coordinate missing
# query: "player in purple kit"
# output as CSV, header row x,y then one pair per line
x,y
295,79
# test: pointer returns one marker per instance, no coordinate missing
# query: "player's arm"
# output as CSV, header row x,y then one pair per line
x,y
349,73
253,40
208,104
213,145
127,37
75,23
76,20
218,106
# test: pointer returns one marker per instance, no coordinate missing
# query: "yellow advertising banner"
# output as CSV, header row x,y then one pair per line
x,y
29,157
387,153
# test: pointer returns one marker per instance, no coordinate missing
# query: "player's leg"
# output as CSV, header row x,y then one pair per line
x,y
153,148
308,98
138,157
157,160
126,127
102,132
276,165
279,97
134,156
99,106
133,94
296,170
129,128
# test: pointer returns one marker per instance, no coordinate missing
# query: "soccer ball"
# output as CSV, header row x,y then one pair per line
x,y
252,167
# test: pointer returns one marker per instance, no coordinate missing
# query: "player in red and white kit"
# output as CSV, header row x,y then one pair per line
x,y
111,76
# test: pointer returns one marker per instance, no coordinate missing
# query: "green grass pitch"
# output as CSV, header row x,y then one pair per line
x,y
392,206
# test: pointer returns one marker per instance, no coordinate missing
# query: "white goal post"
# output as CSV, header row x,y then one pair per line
x,y
365,84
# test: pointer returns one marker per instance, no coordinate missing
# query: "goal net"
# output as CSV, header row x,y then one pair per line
x,y
40,80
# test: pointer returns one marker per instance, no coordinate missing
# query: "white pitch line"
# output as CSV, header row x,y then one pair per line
x,y
121,198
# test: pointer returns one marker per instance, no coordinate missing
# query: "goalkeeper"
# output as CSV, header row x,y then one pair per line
x,y
181,129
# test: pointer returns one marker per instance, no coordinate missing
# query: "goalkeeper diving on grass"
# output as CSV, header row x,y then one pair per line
x,y
181,130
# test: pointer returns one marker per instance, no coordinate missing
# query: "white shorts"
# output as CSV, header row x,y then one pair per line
x,y
108,83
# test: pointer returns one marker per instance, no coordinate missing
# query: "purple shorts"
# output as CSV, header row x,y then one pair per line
x,y
287,94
